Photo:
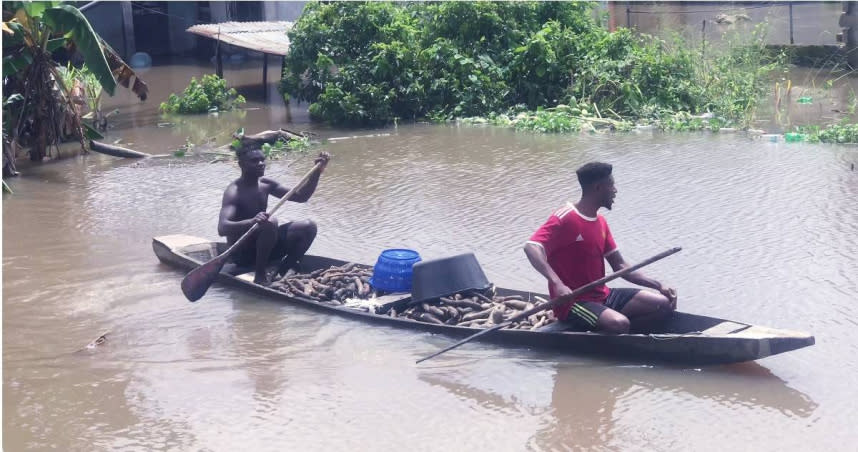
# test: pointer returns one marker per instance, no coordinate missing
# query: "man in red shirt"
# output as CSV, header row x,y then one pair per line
x,y
570,250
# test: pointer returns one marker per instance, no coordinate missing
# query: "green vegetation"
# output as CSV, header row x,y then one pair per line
x,y
527,65
33,32
185,149
839,133
843,133
559,119
210,94
273,150
201,135
280,147
85,89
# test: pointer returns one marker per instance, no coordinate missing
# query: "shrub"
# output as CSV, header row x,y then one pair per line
x,y
374,62
208,94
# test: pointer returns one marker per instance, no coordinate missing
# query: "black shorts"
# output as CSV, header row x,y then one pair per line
x,y
584,315
246,255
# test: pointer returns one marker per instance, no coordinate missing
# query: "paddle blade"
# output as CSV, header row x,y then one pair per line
x,y
197,282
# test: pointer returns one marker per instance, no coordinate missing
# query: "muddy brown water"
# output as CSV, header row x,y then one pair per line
x,y
769,230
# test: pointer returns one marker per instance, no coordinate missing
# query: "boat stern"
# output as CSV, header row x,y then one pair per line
x,y
180,249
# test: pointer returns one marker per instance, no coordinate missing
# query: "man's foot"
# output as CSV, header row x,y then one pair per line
x,y
263,280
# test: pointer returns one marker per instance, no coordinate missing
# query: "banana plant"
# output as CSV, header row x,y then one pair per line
x,y
32,32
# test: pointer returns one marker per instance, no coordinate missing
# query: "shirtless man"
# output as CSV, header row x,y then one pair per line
x,y
570,250
245,202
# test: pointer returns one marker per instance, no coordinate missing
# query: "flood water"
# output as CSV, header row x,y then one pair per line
x,y
769,234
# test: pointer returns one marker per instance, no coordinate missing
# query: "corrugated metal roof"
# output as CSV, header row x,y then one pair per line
x,y
265,37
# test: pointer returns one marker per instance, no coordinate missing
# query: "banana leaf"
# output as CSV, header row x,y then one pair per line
x,y
15,32
123,73
36,9
66,18
13,64
55,44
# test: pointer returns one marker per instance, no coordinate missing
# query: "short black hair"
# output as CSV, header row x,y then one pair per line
x,y
593,172
243,151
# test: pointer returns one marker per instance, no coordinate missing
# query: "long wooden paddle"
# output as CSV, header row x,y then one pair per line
x,y
557,301
197,281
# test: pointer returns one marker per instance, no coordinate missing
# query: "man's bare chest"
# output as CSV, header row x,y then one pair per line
x,y
252,201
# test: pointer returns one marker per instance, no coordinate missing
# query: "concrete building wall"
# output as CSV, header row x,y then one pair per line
x,y
181,16
111,20
219,11
289,11
813,23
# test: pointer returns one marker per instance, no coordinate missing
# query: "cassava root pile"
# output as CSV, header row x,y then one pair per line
x,y
331,285
473,309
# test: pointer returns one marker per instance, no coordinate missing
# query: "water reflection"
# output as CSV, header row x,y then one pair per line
x,y
214,128
589,403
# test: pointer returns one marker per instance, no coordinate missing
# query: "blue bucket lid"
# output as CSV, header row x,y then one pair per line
x,y
400,254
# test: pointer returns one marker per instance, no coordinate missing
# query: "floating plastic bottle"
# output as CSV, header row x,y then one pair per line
x,y
793,137
805,100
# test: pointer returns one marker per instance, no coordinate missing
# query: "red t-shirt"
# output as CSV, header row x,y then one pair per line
x,y
576,247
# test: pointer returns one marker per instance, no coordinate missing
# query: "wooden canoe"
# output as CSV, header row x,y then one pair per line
x,y
687,339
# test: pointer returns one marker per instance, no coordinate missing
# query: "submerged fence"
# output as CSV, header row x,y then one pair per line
x,y
799,23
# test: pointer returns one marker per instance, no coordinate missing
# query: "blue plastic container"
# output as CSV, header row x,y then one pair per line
x,y
392,271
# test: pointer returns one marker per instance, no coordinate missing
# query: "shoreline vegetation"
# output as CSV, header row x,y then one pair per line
x,y
545,67
541,67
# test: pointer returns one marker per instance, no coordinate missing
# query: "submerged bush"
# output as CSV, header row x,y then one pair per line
x,y
837,133
208,94
374,62
736,77
369,63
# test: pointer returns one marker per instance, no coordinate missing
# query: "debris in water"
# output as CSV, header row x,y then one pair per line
x,y
98,341
359,136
